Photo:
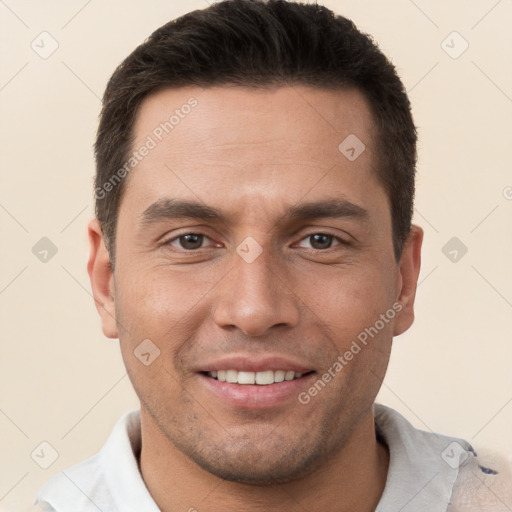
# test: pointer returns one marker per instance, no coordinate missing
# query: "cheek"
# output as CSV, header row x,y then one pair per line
x,y
352,299
357,311
161,305
359,315
156,316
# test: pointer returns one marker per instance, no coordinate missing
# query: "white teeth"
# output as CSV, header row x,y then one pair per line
x,y
261,378
265,378
246,378
232,376
279,376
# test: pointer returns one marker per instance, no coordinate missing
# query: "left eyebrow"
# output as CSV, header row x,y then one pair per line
x,y
331,208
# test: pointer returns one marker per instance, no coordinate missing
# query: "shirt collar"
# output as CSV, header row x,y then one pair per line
x,y
422,471
423,466
119,458
421,474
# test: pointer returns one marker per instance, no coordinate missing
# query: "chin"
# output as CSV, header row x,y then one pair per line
x,y
272,459
266,472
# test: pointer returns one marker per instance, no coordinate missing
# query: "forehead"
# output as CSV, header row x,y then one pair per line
x,y
242,114
240,142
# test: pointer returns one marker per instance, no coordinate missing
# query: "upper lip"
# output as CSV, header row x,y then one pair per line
x,y
255,364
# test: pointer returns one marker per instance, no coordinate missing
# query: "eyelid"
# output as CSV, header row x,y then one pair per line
x,y
175,237
334,237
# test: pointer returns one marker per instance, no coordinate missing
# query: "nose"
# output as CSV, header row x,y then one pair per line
x,y
256,297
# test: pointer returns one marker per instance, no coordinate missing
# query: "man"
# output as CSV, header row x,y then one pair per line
x,y
254,254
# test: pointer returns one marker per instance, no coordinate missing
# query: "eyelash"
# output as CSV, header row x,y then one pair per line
x,y
334,238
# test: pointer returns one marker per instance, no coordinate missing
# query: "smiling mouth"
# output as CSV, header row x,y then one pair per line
x,y
263,378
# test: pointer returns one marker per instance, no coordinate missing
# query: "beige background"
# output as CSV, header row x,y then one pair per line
x,y
62,382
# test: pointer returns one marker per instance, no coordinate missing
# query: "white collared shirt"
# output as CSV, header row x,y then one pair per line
x,y
426,472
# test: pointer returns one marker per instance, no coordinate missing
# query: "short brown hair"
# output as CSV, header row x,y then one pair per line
x,y
259,43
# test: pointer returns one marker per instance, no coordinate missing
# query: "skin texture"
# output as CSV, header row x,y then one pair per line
x,y
253,154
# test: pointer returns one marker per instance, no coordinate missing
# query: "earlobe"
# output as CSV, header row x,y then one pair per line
x,y
102,279
409,265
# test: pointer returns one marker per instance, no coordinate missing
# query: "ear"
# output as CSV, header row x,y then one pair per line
x,y
409,265
102,279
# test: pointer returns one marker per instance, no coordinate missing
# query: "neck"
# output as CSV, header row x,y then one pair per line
x,y
353,480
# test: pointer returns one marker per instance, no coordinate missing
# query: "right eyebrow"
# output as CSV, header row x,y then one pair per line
x,y
167,208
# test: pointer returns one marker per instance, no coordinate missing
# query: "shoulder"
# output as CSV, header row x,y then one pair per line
x,y
97,482
82,484
436,472
484,484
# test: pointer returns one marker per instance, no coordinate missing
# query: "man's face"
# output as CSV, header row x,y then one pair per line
x,y
247,241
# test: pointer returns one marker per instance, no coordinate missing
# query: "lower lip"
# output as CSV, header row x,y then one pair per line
x,y
250,396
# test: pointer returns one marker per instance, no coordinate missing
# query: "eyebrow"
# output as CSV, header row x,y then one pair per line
x,y
330,208
167,209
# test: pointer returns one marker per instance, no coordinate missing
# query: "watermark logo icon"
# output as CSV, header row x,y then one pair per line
x,y
454,455
44,455
44,250
454,249
45,45
351,147
147,352
249,249
454,45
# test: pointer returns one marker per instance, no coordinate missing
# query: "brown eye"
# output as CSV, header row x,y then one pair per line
x,y
321,241
190,241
